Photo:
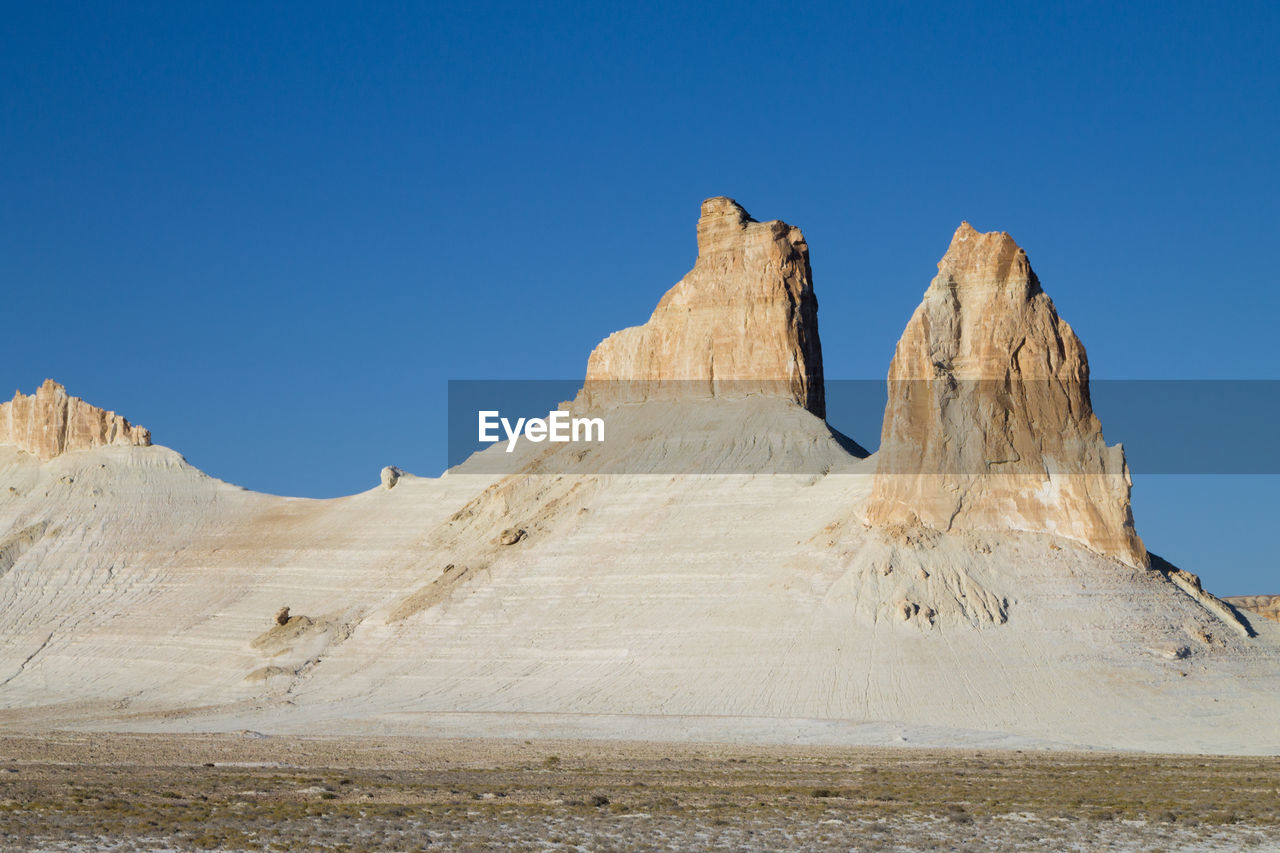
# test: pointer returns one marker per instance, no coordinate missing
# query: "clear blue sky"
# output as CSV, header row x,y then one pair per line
x,y
271,233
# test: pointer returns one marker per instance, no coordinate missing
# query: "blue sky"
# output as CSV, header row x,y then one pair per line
x,y
271,233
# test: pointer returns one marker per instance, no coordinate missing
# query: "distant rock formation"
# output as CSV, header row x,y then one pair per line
x,y
50,423
743,321
989,423
1263,605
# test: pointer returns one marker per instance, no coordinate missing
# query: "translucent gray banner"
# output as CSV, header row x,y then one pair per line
x,y
753,426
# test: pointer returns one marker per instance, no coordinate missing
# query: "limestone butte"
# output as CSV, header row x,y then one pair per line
x,y
1263,605
989,423
50,423
743,321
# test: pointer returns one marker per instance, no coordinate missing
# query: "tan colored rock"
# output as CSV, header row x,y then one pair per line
x,y
511,535
50,423
1263,605
989,423
743,321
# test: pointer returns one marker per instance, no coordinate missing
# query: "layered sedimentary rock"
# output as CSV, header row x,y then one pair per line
x,y
743,321
989,423
674,607
50,423
1263,605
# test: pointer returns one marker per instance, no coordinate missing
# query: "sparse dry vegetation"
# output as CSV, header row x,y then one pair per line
x,y
229,792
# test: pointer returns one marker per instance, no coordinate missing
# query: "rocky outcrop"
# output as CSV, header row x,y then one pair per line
x,y
743,321
50,423
1191,585
989,424
1263,605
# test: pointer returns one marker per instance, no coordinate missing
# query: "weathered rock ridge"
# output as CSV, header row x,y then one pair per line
x,y
1263,605
989,423
50,423
743,321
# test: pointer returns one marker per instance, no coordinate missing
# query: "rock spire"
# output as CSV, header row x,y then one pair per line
x,y
743,321
989,423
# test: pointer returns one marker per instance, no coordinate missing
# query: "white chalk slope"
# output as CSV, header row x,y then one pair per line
x,y
138,593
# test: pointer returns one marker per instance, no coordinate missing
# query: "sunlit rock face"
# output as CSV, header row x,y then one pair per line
x,y
49,423
989,424
744,321
1263,605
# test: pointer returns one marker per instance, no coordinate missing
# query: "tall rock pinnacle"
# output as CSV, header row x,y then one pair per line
x,y
989,423
50,423
743,321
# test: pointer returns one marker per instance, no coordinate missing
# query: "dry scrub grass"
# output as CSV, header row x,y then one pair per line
x,y
228,792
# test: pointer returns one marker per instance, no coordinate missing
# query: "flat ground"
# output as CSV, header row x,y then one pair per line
x,y
249,792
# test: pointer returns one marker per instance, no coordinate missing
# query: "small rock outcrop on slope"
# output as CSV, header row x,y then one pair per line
x,y
989,423
1263,605
743,321
390,475
50,423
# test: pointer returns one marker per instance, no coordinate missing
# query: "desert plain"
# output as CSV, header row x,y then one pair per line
x,y
247,791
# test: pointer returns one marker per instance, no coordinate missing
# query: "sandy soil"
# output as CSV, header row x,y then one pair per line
x,y
250,792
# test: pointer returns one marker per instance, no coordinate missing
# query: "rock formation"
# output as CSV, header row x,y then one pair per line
x,y
50,423
651,592
1263,605
989,423
743,321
